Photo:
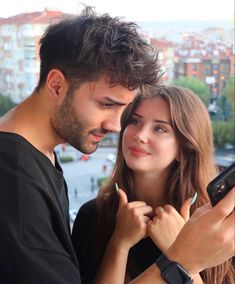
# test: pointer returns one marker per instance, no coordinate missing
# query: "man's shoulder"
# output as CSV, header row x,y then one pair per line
x,y
12,147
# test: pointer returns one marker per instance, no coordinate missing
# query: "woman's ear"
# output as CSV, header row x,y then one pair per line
x,y
56,84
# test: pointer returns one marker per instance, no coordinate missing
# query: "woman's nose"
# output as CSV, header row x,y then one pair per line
x,y
142,136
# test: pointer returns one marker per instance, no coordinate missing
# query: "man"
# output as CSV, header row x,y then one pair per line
x,y
91,67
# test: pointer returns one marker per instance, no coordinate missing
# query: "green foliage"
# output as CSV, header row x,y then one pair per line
x,y
5,104
225,111
66,159
198,87
101,181
224,133
229,93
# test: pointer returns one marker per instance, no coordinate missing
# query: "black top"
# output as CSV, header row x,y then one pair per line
x,y
141,256
35,242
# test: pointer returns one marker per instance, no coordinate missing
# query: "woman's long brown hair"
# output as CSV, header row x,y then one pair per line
x,y
195,169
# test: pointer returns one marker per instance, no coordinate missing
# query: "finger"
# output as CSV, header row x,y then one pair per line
x,y
135,204
229,222
202,210
159,212
122,198
225,207
170,209
144,210
185,209
146,219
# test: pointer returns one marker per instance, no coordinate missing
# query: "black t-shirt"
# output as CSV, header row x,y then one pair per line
x,y
35,242
142,255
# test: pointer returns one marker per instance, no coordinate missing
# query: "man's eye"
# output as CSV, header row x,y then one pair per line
x,y
107,105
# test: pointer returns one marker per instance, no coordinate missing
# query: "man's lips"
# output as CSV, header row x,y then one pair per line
x,y
138,152
97,136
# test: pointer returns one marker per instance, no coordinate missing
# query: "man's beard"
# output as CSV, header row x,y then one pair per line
x,y
67,126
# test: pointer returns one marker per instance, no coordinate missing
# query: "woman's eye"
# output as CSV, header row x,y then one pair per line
x,y
160,129
134,121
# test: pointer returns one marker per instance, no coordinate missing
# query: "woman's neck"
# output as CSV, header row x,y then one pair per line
x,y
151,188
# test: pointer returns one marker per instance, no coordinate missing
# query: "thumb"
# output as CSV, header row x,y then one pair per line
x,y
185,209
122,198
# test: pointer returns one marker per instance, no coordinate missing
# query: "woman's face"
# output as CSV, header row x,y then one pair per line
x,y
149,143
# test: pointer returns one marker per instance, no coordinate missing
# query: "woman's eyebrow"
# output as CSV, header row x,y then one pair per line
x,y
155,120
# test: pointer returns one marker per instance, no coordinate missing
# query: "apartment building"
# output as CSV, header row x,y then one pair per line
x,y
212,63
166,56
19,51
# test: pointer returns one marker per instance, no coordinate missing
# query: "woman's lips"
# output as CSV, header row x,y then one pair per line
x,y
138,152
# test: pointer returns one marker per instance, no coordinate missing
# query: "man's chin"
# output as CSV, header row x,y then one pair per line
x,y
88,149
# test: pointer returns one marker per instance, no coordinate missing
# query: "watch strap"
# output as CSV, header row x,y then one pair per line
x,y
172,272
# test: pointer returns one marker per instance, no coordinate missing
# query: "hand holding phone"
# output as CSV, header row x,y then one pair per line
x,y
221,185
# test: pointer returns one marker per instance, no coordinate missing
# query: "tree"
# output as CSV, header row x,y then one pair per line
x,y
197,86
5,104
229,93
225,111
223,132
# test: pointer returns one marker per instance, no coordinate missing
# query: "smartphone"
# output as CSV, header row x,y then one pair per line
x,y
221,185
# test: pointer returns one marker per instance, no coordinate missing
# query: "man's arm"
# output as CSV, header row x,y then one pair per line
x,y
206,240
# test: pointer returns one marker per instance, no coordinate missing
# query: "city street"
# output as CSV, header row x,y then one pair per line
x,y
81,176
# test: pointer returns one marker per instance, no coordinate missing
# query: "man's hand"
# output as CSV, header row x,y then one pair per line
x,y
207,239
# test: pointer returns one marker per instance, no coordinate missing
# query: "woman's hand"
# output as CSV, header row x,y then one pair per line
x,y
167,223
131,221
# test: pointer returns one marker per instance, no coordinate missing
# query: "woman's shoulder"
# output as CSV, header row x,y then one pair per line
x,y
85,219
89,207
86,213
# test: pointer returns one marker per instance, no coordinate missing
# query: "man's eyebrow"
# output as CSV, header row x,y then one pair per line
x,y
116,102
155,120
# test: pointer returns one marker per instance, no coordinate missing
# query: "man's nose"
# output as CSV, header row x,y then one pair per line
x,y
112,125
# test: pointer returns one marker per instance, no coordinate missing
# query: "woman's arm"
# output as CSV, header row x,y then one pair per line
x,y
131,227
165,227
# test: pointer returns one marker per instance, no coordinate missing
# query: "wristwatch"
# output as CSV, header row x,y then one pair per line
x,y
172,272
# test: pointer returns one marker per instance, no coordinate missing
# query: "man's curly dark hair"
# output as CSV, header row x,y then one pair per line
x,y
88,46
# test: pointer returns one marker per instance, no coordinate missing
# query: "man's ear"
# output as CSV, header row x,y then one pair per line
x,y
56,84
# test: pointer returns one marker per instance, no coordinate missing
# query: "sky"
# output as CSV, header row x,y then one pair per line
x,y
133,10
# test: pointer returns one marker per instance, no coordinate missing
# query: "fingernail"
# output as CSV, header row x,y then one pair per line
x,y
193,199
116,187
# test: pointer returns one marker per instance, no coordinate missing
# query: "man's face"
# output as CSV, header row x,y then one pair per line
x,y
89,113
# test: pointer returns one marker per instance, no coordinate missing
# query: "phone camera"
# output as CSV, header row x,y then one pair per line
x,y
220,189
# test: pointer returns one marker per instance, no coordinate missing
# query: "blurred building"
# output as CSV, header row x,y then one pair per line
x,y
211,62
19,48
166,56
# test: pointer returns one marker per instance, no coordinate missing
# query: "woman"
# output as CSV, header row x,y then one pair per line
x,y
165,155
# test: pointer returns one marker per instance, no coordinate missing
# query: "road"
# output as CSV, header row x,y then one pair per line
x,y
78,175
